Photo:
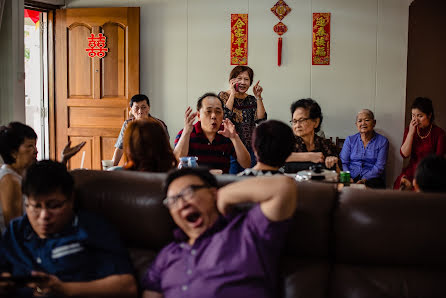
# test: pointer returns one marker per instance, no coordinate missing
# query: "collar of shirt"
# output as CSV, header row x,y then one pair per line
x,y
29,233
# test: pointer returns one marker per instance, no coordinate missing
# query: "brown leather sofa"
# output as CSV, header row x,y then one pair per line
x,y
355,243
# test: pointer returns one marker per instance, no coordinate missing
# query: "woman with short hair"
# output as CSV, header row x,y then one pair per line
x,y
310,148
18,151
243,109
365,154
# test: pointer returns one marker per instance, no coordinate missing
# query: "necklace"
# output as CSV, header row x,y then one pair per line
x,y
423,137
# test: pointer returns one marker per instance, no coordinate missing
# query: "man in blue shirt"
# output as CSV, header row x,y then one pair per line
x,y
365,153
58,251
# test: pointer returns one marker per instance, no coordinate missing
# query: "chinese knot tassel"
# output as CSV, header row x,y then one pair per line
x,y
279,52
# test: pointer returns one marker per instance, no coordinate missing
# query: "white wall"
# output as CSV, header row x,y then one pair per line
x,y
12,75
185,52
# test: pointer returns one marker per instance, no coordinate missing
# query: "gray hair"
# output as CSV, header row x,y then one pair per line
x,y
366,111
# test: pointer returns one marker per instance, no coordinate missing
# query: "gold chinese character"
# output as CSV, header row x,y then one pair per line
x,y
321,22
320,51
321,32
320,41
239,51
239,41
239,23
239,32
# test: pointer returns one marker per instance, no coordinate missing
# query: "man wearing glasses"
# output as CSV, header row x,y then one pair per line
x,y
54,250
217,253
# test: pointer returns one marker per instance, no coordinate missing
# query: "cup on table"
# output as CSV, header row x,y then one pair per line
x,y
106,164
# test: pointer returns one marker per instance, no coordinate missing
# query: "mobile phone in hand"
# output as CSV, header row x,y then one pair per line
x,y
237,87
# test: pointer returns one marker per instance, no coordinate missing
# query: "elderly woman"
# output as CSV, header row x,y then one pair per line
x,y
244,110
421,138
146,147
365,153
18,151
310,148
139,109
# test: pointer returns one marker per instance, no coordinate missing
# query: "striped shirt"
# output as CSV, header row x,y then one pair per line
x,y
215,154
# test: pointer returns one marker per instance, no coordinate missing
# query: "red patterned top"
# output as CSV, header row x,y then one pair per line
x,y
434,143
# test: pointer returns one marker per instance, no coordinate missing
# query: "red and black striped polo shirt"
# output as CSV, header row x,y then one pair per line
x,y
215,155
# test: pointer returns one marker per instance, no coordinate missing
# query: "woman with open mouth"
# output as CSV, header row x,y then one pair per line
x,y
243,109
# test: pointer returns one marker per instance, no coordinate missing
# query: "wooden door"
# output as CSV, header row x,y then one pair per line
x,y
92,94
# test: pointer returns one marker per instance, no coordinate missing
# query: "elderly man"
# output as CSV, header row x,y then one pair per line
x,y
217,256
57,252
365,153
206,140
139,109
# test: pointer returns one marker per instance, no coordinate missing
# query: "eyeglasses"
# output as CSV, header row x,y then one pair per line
x,y
186,195
52,206
300,121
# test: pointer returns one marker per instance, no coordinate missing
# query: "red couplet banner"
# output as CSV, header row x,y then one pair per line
x,y
239,39
321,39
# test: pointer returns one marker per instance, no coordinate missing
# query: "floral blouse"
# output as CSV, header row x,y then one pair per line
x,y
320,145
243,115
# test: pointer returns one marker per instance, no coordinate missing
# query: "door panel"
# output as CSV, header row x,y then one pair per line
x,y
79,66
113,75
92,94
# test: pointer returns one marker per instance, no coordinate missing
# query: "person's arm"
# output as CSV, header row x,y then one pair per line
x,y
68,152
261,112
315,157
119,143
117,156
229,103
380,164
11,198
151,294
441,145
345,155
119,285
182,145
229,131
406,148
277,196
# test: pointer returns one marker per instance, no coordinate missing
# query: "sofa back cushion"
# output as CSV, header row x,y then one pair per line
x,y
389,244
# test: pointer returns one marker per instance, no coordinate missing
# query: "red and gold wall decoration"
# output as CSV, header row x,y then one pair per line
x,y
96,46
280,10
321,39
239,39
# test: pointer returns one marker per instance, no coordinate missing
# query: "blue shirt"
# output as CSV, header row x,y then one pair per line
x,y
368,162
237,257
88,249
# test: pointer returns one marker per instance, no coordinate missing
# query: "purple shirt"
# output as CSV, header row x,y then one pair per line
x,y
235,258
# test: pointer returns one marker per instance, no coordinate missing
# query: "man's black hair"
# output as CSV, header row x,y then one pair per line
x,y
208,94
11,137
273,141
45,177
430,174
201,173
138,98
